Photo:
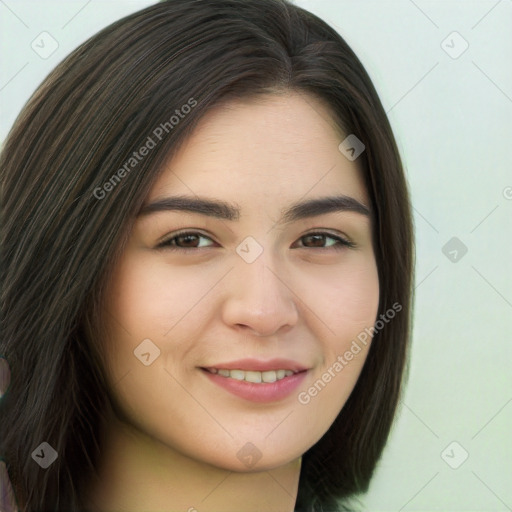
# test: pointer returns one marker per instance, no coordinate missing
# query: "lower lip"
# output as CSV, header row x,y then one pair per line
x,y
264,392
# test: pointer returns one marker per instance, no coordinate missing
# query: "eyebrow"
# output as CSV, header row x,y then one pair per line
x,y
229,211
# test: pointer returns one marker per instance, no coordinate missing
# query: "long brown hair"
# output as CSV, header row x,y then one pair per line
x,y
60,239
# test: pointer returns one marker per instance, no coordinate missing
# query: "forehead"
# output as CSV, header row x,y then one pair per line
x,y
277,147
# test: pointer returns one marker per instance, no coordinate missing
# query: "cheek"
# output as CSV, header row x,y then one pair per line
x,y
151,299
137,310
345,297
158,302
347,304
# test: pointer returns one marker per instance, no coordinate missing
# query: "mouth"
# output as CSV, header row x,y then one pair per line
x,y
257,381
253,376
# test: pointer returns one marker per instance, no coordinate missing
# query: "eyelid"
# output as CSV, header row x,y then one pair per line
x,y
344,241
186,231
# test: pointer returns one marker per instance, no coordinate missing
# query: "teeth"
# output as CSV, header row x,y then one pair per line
x,y
235,374
269,376
253,376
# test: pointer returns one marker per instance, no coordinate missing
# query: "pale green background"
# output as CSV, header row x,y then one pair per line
x,y
453,122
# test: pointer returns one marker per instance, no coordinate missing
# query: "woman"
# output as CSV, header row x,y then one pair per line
x,y
207,266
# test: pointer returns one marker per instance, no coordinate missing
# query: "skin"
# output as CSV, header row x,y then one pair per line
x,y
173,442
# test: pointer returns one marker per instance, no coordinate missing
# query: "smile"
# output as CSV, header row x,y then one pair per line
x,y
255,377
257,386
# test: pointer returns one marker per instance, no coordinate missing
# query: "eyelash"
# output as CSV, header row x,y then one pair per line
x,y
342,242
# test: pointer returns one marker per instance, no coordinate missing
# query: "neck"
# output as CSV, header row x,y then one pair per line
x,y
137,473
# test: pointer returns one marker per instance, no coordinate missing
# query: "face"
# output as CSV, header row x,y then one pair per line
x,y
272,293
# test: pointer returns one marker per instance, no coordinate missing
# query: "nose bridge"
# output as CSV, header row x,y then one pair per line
x,y
259,275
258,296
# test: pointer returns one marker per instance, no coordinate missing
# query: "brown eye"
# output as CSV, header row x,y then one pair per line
x,y
183,241
187,240
318,240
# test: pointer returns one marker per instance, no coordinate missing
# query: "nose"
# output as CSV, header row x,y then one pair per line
x,y
259,301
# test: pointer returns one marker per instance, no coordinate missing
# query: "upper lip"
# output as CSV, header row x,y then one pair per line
x,y
257,365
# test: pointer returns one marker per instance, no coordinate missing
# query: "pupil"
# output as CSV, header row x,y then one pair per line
x,y
188,238
317,239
